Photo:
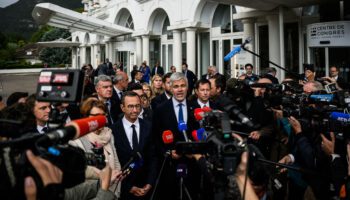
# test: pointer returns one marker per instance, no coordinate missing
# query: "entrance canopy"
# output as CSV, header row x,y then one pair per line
x,y
59,43
271,4
53,15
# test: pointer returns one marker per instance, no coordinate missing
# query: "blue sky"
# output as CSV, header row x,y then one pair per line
x,y
4,3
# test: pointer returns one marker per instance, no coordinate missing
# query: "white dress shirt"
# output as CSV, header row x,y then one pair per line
x,y
177,107
203,104
128,130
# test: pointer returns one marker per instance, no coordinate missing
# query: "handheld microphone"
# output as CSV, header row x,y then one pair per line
x,y
182,126
181,170
198,114
341,117
199,135
243,118
168,137
131,162
236,50
322,97
76,129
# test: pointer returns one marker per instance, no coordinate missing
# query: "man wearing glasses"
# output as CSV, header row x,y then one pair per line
x,y
133,135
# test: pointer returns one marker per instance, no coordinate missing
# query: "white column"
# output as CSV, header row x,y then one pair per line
x,y
82,56
74,58
107,50
191,49
248,27
138,50
274,42
281,33
177,50
145,49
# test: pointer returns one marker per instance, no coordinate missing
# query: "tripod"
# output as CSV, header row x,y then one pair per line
x,y
181,172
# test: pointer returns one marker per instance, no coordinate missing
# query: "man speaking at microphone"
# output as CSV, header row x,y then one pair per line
x,y
168,116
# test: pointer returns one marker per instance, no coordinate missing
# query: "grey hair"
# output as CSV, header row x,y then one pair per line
x,y
102,78
176,77
118,77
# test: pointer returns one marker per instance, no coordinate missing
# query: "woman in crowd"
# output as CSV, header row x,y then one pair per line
x,y
147,90
102,137
156,85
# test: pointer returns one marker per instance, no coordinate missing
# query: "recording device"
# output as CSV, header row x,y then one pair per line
x,y
96,158
237,49
182,126
330,88
60,86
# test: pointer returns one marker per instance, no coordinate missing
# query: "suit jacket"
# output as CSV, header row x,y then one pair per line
x,y
342,83
160,71
164,118
194,104
204,76
158,100
192,79
147,173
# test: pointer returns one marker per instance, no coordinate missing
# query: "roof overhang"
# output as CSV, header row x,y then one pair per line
x,y
63,43
53,15
272,4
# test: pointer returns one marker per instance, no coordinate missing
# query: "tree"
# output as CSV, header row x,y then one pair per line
x,y
55,56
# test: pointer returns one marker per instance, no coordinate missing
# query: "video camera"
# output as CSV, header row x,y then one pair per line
x,y
54,86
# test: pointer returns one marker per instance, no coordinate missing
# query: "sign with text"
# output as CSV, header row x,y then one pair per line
x,y
329,34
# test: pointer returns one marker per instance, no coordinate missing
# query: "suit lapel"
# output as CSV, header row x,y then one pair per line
x,y
123,138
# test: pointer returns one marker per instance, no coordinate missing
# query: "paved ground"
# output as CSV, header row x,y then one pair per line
x,y
10,83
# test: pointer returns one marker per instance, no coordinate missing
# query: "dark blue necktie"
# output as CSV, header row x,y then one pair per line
x,y
135,142
181,114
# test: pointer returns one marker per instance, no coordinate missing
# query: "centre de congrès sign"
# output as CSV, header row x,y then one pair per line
x,y
329,34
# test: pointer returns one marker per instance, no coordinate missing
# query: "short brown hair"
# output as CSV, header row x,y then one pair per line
x,y
90,103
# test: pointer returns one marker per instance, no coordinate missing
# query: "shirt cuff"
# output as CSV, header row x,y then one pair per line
x,y
292,159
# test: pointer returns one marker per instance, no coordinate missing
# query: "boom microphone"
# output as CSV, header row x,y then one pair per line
x,y
236,50
76,129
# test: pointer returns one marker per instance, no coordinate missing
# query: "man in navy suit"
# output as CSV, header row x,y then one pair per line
x,y
104,89
191,78
202,90
133,135
157,70
167,117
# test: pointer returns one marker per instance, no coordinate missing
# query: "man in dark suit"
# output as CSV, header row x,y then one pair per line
x,y
157,70
202,90
136,76
41,111
166,94
334,75
133,135
104,89
191,78
120,83
208,74
167,117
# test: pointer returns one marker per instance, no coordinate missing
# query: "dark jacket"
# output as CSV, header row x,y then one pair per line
x,y
147,173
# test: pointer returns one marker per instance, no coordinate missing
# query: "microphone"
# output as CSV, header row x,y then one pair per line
x,y
182,126
243,118
199,135
236,50
322,97
168,137
341,117
198,114
131,162
181,170
76,129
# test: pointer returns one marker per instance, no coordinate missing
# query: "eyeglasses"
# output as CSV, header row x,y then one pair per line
x,y
131,107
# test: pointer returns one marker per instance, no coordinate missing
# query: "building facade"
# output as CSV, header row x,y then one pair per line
x,y
202,32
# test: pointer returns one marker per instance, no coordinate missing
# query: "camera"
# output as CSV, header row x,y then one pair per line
x,y
96,158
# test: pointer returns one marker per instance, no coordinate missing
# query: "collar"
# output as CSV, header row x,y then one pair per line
x,y
117,90
141,113
201,104
128,124
175,102
167,96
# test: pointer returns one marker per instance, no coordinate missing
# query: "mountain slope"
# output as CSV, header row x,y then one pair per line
x,y
17,18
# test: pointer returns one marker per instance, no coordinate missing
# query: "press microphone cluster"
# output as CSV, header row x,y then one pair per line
x,y
76,129
199,135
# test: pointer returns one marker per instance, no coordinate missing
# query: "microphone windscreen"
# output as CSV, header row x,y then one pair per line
x,y
195,135
168,137
339,116
182,126
87,125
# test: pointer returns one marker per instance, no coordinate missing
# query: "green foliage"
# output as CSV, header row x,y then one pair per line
x,y
55,56
3,41
39,33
